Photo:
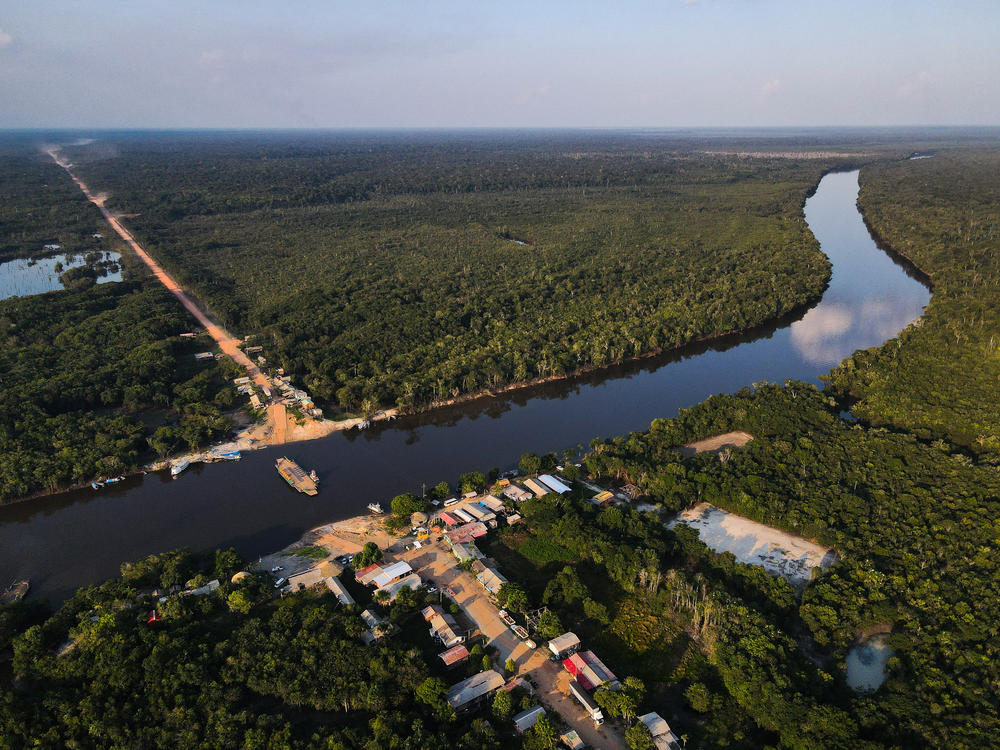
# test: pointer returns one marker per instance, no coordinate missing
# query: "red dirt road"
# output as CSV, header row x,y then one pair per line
x,y
226,341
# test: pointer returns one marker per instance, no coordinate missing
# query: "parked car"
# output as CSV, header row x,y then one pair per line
x,y
276,568
279,583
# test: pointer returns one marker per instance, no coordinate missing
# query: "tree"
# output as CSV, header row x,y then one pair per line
x,y
530,463
239,601
596,611
512,596
510,667
432,691
638,737
487,662
368,555
439,491
474,481
503,705
406,504
549,625
542,736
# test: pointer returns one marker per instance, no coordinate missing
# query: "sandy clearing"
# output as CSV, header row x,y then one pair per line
x,y
782,554
716,443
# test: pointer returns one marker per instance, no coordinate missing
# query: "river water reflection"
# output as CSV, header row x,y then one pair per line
x,y
68,540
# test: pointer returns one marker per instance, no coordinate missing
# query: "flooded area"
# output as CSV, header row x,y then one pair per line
x,y
26,276
866,663
781,554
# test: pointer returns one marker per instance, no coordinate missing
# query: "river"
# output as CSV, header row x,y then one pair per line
x,y
76,538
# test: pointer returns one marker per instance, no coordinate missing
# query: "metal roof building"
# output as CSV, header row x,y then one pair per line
x,y
556,486
390,573
526,719
564,644
339,591
467,694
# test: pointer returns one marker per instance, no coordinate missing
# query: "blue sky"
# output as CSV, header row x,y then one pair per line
x,y
304,63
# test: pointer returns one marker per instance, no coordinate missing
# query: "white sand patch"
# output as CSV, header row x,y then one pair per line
x,y
780,553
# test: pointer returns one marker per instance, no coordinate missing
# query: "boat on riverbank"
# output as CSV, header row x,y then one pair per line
x,y
375,508
15,592
178,467
296,476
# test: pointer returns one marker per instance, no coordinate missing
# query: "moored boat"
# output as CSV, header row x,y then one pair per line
x,y
375,508
97,485
296,476
15,592
178,467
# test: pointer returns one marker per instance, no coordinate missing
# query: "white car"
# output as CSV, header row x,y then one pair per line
x,y
279,583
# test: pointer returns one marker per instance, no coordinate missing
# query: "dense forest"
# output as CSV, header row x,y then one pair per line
x,y
94,378
39,206
399,273
231,669
940,378
738,658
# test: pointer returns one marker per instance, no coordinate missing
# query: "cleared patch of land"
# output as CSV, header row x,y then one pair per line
x,y
787,555
716,443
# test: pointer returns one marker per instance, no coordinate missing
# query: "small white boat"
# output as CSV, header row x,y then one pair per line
x,y
375,508
112,480
229,456
178,467
314,476
97,485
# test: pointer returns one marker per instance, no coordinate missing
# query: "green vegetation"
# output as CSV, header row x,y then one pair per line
x,y
94,377
370,554
914,525
542,551
39,206
938,378
391,272
312,551
80,371
291,673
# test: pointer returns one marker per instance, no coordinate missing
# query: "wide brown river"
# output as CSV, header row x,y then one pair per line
x,y
68,540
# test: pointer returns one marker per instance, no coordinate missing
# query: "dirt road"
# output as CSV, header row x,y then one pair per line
x,y
435,562
228,343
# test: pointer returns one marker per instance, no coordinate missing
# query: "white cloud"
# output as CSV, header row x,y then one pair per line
x,y
817,337
771,87
5,38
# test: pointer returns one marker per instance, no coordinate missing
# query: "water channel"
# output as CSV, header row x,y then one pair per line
x,y
64,541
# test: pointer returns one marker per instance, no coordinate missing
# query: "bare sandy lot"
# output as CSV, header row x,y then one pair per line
x,y
716,443
782,554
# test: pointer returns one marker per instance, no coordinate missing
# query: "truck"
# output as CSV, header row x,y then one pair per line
x,y
587,702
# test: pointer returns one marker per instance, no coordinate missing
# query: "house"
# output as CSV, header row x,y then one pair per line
x,y
454,656
517,494
467,532
492,580
602,498
513,518
493,503
663,736
553,484
526,719
366,575
448,519
377,627
305,579
411,581
536,487
443,626
391,573
469,694
572,740
339,591
208,588
465,552
462,515
564,645
204,355
480,513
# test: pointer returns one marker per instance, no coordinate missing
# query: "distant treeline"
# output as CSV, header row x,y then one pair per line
x,y
386,273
